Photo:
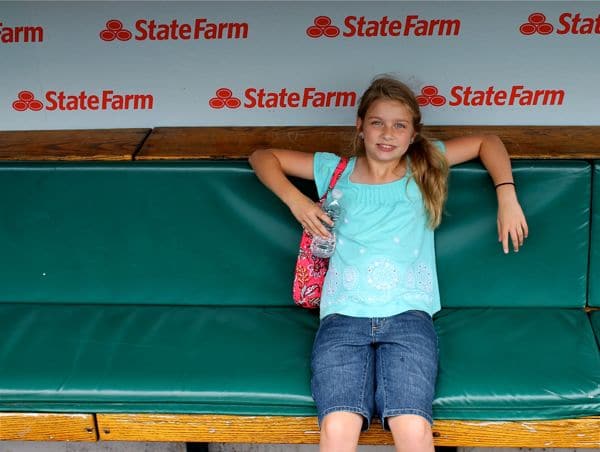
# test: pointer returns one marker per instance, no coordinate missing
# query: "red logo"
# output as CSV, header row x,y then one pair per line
x,y
429,96
151,30
284,98
27,101
224,99
114,30
106,100
322,27
9,35
536,23
359,26
568,23
468,96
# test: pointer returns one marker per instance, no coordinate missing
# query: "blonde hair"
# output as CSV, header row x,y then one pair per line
x,y
428,165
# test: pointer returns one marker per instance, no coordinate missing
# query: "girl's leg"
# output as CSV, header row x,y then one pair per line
x,y
340,431
406,359
343,380
412,433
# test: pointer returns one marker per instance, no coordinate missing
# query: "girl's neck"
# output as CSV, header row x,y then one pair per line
x,y
368,171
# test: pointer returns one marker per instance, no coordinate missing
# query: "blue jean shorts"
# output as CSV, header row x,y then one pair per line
x,y
381,367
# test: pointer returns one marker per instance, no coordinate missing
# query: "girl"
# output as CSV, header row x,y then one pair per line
x,y
375,352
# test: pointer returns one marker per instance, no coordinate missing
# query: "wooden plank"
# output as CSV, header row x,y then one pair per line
x,y
571,433
582,432
540,142
238,142
47,427
71,145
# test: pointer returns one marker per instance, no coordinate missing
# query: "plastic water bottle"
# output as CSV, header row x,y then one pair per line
x,y
322,246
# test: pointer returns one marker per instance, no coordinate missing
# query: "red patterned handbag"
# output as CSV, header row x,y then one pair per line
x,y
310,270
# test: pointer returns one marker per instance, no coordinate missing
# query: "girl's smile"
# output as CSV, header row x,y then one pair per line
x,y
386,147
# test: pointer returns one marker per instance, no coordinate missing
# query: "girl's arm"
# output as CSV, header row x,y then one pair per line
x,y
272,166
492,153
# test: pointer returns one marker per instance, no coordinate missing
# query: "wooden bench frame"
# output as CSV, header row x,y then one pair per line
x,y
176,143
48,427
580,433
531,142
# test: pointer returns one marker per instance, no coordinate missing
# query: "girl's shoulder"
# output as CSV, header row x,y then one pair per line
x,y
324,165
327,158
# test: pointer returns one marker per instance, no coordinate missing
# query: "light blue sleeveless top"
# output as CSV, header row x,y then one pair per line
x,y
384,261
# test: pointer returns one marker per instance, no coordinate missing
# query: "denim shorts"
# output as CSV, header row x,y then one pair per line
x,y
375,366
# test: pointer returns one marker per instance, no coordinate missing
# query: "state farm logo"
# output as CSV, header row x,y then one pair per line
x,y
360,26
284,98
152,30
467,96
430,96
568,23
224,99
106,100
20,33
115,30
27,101
322,27
536,23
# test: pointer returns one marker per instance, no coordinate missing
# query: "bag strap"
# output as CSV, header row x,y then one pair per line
x,y
339,169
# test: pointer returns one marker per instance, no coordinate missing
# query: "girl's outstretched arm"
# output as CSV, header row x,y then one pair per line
x,y
272,166
493,155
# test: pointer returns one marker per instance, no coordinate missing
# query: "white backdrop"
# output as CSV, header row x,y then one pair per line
x,y
72,65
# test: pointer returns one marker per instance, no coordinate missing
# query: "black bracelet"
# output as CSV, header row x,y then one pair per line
x,y
505,183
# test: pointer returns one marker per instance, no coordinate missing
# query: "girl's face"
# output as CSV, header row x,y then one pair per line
x,y
388,130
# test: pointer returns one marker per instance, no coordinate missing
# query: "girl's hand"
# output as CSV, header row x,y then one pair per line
x,y
310,215
511,220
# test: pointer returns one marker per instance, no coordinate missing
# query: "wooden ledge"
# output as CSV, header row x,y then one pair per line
x,y
98,144
47,427
176,143
581,432
540,142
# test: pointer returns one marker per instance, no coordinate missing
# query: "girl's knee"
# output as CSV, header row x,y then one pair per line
x,y
341,426
411,428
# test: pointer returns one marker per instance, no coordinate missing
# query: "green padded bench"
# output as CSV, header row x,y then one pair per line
x,y
515,341
155,297
594,290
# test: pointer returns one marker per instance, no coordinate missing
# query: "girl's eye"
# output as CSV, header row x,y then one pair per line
x,y
400,125
376,123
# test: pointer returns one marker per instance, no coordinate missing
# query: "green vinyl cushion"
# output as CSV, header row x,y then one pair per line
x,y
206,233
511,363
595,319
551,267
494,363
594,277
165,287
156,359
209,233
